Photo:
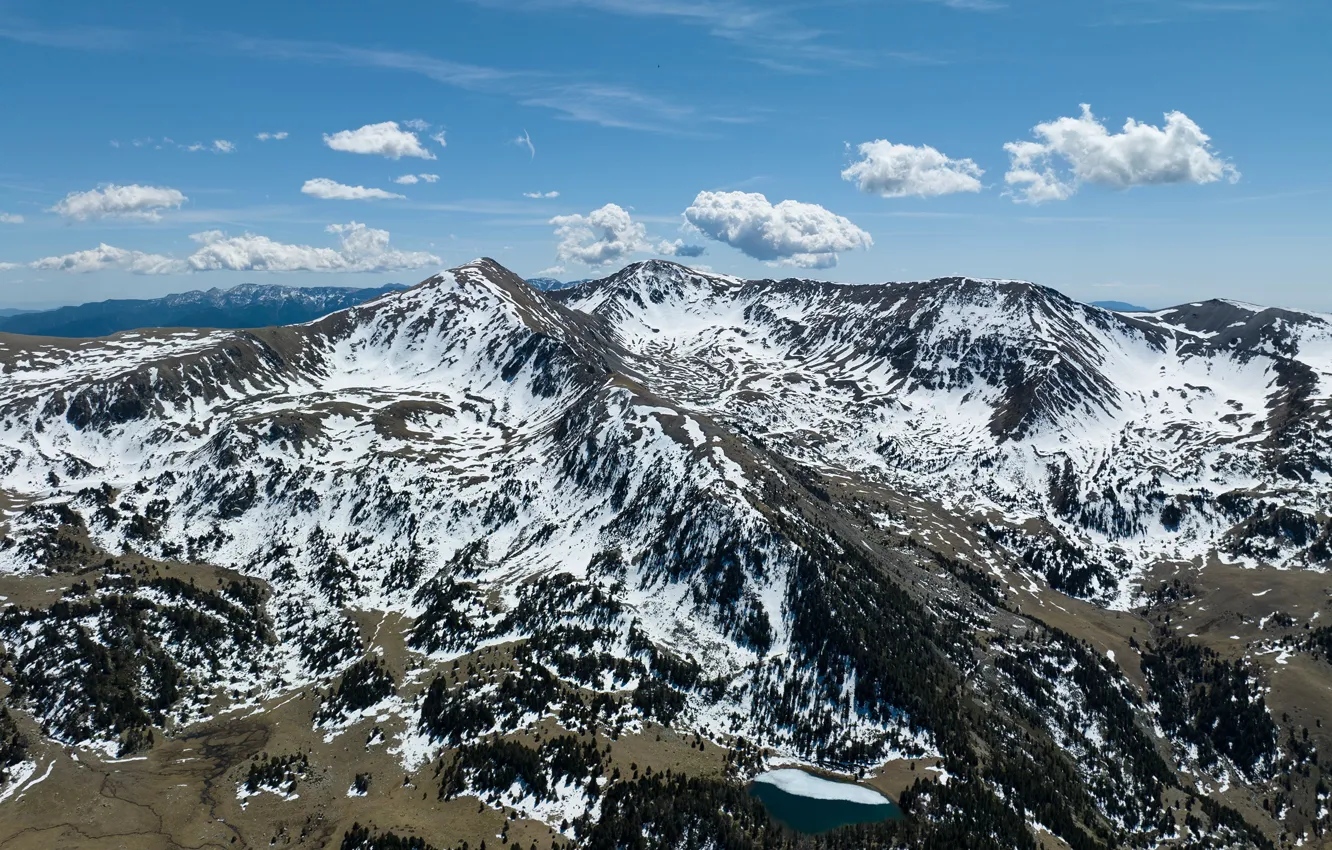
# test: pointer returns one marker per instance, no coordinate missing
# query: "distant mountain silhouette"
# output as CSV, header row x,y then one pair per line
x,y
1120,307
550,284
249,305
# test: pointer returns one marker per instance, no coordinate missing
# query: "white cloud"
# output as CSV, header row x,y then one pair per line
x,y
438,138
5,267
10,218
386,139
264,137
413,179
106,257
897,171
417,124
223,146
360,249
1140,155
602,237
330,190
791,232
552,271
112,201
525,141
541,194
678,248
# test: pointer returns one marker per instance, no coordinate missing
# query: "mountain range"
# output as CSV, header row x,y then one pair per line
x,y
476,562
245,306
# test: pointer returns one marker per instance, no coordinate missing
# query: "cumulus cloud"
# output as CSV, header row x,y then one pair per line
x,y
413,179
678,248
438,138
1140,155
331,190
791,232
898,171
10,218
602,237
106,257
264,137
360,249
541,194
223,146
111,201
385,139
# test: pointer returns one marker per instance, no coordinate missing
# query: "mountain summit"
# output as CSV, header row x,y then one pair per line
x,y
593,558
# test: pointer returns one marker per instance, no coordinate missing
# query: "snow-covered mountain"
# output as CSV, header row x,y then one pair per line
x,y
798,519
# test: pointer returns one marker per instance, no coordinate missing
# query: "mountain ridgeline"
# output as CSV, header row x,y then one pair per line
x,y
590,559
248,305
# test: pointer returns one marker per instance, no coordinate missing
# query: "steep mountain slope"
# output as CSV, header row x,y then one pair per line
x,y
527,546
245,306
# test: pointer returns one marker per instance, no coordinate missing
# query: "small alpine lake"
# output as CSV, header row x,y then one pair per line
x,y
811,804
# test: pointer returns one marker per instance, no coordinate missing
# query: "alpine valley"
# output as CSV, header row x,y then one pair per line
x,y
476,565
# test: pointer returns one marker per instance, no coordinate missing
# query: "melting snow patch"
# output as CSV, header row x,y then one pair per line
x,y
803,784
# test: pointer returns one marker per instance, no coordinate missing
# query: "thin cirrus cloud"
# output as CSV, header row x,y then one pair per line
x,y
360,249
898,171
10,218
276,137
764,30
571,97
525,141
385,139
1073,151
609,235
551,194
788,233
413,179
144,203
331,190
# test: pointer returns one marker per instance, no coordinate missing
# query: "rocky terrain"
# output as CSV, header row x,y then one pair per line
x,y
472,562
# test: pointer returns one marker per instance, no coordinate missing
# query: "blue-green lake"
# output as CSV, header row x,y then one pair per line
x,y
812,804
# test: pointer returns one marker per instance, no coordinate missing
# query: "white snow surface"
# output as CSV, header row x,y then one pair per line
x,y
803,784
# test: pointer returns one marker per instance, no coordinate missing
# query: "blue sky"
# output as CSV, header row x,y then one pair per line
x,y
720,110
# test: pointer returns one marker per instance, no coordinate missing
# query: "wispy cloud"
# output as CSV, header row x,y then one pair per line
x,y
77,38
973,5
761,29
569,97
525,141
